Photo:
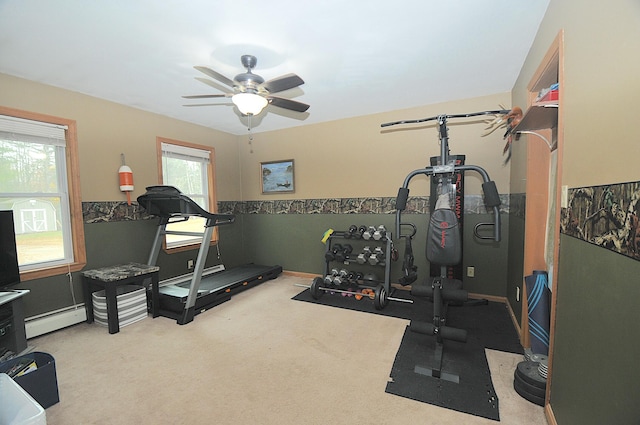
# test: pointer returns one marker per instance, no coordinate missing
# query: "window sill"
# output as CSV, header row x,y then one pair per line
x,y
184,248
51,271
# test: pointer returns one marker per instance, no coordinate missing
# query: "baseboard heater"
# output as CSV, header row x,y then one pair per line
x,y
54,320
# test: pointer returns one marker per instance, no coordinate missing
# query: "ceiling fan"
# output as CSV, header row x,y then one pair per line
x,y
250,93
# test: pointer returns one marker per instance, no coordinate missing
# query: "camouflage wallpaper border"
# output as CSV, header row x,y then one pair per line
x,y
517,204
110,211
606,216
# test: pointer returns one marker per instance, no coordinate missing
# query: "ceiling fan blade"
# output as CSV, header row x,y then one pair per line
x,y
204,96
283,83
213,84
293,105
208,104
215,75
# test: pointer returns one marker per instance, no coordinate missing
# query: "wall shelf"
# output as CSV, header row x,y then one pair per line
x,y
540,115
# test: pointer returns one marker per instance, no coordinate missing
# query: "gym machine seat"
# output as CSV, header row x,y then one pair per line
x,y
183,297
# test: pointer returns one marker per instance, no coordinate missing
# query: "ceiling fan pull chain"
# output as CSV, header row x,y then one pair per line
x,y
250,134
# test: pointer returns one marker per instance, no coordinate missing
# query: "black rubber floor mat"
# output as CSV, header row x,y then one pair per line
x,y
394,309
473,394
487,325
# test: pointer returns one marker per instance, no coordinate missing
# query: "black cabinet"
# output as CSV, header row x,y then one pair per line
x,y
12,332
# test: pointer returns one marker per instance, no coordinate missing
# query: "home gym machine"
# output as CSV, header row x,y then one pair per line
x,y
444,242
183,297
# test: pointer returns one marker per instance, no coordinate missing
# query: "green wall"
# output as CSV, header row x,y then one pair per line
x,y
106,244
294,242
116,242
515,262
596,378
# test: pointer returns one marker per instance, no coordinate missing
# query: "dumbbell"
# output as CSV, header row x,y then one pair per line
x,y
380,233
370,279
343,254
341,278
355,277
328,279
361,231
364,255
368,234
331,255
352,232
377,257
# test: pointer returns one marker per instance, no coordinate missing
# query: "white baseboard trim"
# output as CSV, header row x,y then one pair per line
x,y
54,320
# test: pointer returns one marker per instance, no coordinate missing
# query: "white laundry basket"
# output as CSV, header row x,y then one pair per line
x,y
17,407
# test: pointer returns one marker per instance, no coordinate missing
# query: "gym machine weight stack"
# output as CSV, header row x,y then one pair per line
x,y
354,282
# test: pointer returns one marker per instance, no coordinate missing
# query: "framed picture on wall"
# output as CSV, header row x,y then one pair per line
x,y
277,176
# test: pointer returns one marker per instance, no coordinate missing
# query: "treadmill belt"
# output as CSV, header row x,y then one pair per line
x,y
228,277
214,289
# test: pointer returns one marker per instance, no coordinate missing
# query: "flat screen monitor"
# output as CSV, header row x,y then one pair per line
x,y
9,271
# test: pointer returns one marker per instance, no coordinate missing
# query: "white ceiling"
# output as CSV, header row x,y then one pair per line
x,y
356,57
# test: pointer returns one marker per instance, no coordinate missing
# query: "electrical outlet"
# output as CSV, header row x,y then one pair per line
x,y
471,271
517,293
189,264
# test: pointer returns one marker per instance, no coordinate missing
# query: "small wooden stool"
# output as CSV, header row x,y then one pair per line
x,y
113,276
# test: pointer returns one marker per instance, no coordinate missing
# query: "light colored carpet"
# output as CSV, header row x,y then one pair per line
x,y
260,358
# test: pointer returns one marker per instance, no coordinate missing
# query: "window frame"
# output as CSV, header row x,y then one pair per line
x,y
211,187
75,197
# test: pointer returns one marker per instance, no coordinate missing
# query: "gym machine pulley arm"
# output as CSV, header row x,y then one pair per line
x,y
447,169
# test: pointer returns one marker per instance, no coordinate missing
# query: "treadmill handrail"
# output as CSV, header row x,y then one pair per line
x,y
168,202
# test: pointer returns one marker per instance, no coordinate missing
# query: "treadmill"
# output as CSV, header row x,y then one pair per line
x,y
183,297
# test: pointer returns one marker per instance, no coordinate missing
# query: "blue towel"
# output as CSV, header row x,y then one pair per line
x,y
538,301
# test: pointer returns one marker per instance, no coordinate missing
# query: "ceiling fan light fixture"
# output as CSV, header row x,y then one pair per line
x,y
249,103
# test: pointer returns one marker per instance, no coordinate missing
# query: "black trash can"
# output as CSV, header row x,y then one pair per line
x,y
42,382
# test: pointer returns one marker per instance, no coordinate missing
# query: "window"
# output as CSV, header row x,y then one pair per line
x,y
189,168
39,182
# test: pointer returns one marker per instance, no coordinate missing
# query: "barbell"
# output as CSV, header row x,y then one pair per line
x,y
379,295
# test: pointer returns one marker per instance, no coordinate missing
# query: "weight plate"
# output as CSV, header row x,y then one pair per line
x,y
534,357
523,393
531,389
528,371
315,289
381,298
369,293
543,370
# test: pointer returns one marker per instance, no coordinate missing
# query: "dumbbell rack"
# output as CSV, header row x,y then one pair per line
x,y
377,290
